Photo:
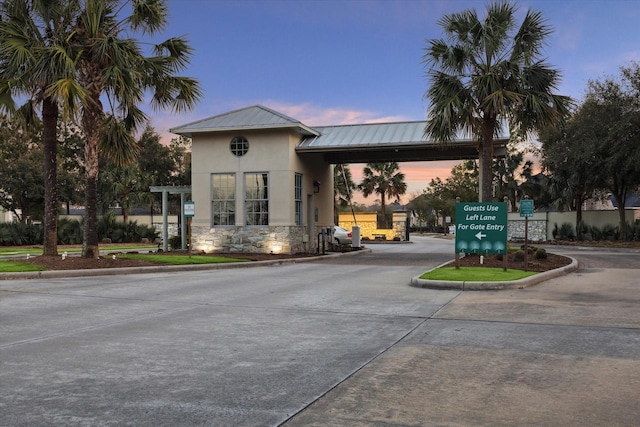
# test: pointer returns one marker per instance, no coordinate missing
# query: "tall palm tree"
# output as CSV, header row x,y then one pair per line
x,y
112,67
385,180
33,34
488,73
343,187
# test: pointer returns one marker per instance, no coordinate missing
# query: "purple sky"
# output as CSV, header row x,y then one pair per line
x,y
328,62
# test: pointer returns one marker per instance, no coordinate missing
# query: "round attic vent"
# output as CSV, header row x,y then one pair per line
x,y
239,146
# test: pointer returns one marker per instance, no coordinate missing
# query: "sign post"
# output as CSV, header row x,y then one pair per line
x,y
481,228
526,211
189,211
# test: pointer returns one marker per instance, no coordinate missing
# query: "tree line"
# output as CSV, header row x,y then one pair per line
x,y
22,190
77,61
72,79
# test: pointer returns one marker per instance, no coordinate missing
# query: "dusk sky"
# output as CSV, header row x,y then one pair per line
x,y
329,62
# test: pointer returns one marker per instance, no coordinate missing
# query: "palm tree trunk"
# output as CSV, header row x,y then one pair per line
x,y
620,199
579,201
90,124
50,121
486,163
90,247
384,210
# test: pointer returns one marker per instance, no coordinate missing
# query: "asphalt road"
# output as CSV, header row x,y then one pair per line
x,y
341,342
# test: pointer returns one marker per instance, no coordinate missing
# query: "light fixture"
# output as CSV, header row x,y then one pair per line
x,y
316,187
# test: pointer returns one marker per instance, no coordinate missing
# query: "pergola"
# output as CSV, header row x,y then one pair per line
x,y
166,190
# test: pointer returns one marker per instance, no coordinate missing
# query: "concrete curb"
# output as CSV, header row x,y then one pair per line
x,y
59,274
495,286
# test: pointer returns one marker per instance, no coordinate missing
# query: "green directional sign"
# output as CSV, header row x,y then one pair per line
x,y
526,208
481,228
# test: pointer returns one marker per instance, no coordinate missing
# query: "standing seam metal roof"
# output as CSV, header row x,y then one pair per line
x,y
372,135
254,117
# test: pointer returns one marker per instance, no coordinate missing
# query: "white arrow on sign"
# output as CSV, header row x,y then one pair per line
x,y
479,236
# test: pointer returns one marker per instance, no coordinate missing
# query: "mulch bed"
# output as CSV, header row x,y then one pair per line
x,y
552,262
79,263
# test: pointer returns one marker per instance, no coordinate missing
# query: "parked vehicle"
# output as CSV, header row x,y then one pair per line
x,y
341,236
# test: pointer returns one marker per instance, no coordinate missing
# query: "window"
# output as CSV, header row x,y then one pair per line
x,y
297,190
239,146
256,199
223,209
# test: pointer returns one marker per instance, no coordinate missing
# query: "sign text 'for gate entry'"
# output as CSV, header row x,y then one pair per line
x,y
481,228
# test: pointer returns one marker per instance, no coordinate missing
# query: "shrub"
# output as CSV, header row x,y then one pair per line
x,y
566,232
583,231
610,232
634,230
120,232
16,234
518,255
596,233
69,231
175,242
541,253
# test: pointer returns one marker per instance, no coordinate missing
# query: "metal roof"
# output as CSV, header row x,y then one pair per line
x,y
366,135
357,143
254,117
398,141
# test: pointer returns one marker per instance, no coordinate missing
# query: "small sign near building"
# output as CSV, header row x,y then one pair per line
x,y
526,208
189,209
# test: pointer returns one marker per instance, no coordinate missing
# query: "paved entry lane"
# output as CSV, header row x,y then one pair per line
x,y
246,347
562,353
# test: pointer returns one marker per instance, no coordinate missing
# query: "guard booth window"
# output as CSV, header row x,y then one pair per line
x,y
256,201
298,198
223,209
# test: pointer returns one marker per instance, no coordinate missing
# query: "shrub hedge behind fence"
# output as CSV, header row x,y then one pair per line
x,y
70,232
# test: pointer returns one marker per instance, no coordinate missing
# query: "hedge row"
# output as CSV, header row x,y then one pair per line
x,y
70,232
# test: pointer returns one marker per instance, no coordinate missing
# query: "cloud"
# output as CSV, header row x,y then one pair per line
x,y
313,115
306,113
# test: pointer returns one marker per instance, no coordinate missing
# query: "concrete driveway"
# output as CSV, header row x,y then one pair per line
x,y
336,342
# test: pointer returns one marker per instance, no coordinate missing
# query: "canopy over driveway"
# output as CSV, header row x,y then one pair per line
x,y
386,142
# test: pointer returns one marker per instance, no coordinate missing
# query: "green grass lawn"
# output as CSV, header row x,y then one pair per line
x,y
475,274
17,267
183,259
10,250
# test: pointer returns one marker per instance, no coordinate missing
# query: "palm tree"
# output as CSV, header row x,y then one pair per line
x,y
111,66
486,74
383,179
343,187
32,57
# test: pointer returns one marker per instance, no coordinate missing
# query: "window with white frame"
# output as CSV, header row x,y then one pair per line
x,y
297,190
256,198
223,199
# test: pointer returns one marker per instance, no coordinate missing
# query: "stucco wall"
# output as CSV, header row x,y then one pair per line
x,y
271,152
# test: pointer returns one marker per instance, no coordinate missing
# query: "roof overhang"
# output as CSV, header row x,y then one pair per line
x,y
464,150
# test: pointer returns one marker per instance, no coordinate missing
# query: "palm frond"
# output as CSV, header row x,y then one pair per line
x,y
148,16
117,143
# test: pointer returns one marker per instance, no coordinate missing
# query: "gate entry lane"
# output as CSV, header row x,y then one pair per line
x,y
563,352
